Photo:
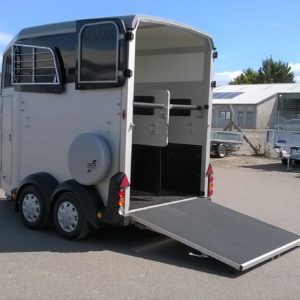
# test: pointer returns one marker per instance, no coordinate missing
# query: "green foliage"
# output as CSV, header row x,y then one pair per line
x,y
249,76
275,72
270,72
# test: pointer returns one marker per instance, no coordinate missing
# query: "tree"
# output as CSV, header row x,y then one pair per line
x,y
275,72
270,72
249,76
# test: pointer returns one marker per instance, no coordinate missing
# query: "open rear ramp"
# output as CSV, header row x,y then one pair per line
x,y
226,235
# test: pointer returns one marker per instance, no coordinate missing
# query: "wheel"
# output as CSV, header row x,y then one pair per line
x,y
33,209
221,151
68,217
284,161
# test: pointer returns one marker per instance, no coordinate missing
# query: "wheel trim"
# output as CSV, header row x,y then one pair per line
x,y
222,151
31,207
67,216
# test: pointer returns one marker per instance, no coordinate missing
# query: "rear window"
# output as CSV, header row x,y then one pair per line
x,y
98,45
34,65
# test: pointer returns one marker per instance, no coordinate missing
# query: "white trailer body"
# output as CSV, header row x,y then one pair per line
x,y
107,121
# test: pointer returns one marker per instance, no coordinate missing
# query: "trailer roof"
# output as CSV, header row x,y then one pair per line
x,y
130,22
251,93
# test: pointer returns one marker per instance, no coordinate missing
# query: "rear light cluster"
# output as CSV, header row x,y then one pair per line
x,y
121,195
210,175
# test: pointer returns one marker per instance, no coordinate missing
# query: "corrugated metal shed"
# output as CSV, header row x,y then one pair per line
x,y
251,93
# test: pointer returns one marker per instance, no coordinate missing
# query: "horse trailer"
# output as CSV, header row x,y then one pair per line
x,y
107,122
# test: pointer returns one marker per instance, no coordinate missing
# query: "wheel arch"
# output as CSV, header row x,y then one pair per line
x,y
43,182
88,196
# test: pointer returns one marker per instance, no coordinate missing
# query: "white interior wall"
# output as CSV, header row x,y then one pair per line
x,y
183,75
176,67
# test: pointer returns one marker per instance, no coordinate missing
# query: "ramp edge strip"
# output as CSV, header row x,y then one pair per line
x,y
269,255
162,204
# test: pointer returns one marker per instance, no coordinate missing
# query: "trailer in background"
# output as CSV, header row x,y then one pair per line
x,y
224,142
285,144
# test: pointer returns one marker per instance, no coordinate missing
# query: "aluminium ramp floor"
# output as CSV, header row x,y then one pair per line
x,y
226,235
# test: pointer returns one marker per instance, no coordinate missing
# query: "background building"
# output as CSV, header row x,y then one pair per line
x,y
255,108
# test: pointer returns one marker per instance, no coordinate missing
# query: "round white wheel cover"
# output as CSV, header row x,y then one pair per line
x,y
89,159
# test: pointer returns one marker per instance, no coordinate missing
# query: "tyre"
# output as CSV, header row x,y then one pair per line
x,y
68,217
284,161
221,151
33,208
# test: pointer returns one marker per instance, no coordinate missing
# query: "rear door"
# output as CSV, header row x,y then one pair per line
x,y
226,235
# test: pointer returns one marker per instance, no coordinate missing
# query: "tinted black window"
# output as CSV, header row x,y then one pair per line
x,y
34,65
66,48
44,67
6,75
99,53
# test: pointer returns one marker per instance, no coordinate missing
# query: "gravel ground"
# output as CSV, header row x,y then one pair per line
x,y
244,161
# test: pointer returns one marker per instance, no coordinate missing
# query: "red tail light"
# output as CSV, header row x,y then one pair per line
x,y
124,182
121,195
210,175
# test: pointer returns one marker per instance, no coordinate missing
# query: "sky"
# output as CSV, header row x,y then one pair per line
x,y
244,32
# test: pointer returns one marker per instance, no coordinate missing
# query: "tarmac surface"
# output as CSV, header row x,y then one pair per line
x,y
130,263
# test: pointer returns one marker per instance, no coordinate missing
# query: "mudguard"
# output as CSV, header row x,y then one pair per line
x,y
88,196
45,184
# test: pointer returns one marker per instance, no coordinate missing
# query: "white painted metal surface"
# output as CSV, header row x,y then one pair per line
x,y
49,124
178,67
152,130
7,121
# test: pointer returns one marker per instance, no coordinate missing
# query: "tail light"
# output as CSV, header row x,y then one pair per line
x,y
210,175
121,195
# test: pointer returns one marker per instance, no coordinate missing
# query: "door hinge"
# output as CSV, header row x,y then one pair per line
x,y
213,84
215,54
128,73
129,36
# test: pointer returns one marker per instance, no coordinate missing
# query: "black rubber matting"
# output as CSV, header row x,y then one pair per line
x,y
229,236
